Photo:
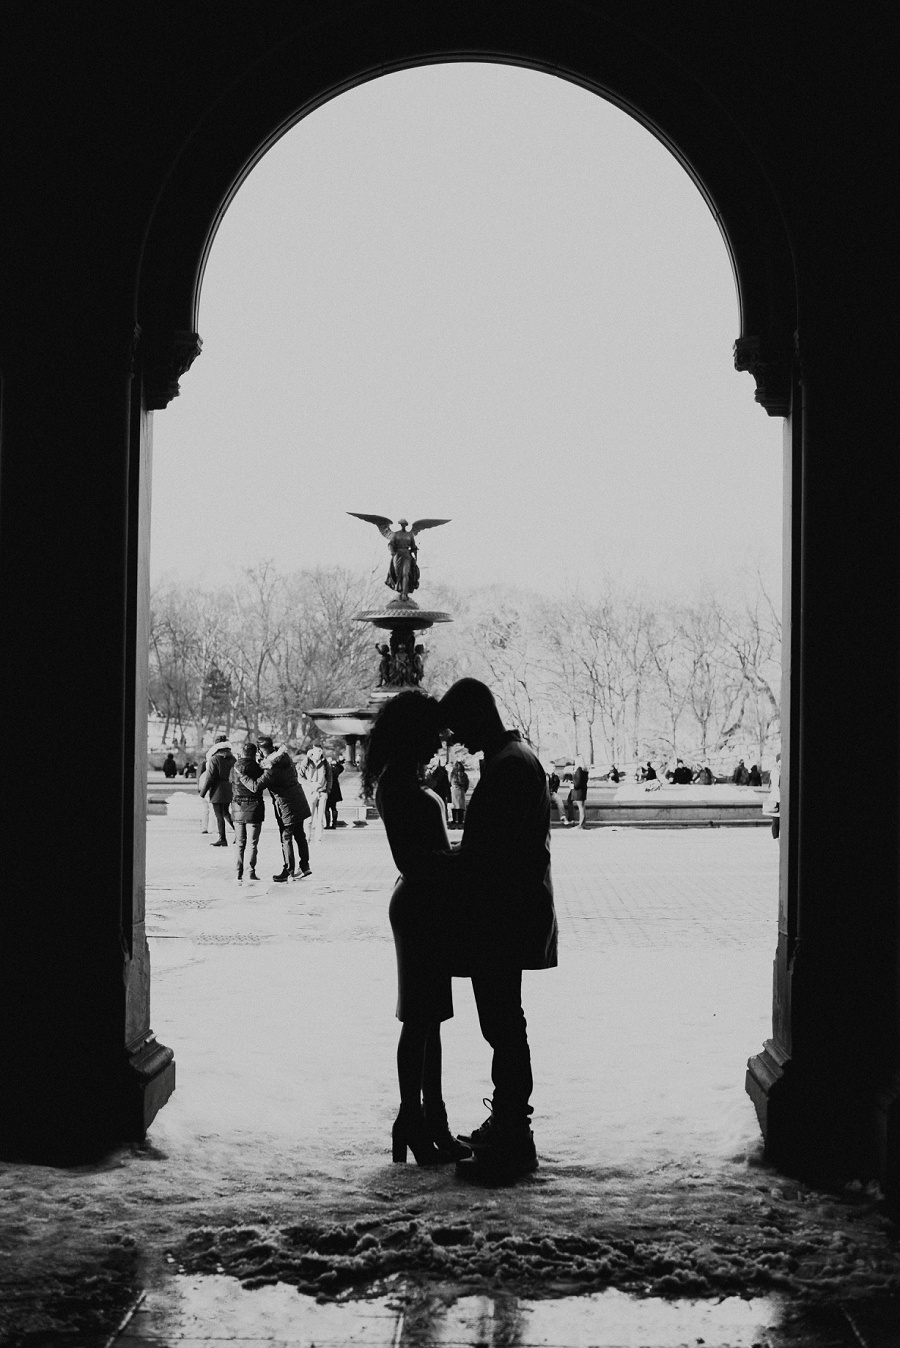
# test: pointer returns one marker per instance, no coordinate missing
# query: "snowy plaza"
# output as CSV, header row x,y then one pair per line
x,y
271,1162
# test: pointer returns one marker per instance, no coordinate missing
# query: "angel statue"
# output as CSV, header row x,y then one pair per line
x,y
403,572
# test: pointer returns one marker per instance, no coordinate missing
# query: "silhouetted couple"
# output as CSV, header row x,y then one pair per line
x,y
482,910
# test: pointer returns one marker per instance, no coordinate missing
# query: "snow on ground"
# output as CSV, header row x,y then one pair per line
x,y
272,1159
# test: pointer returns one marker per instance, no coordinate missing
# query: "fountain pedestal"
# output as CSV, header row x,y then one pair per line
x,y
401,665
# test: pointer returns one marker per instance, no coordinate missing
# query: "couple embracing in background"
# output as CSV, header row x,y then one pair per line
x,y
482,910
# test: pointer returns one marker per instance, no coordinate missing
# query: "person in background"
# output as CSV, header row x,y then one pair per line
x,y
740,776
279,778
248,808
648,773
772,805
754,777
170,767
614,775
318,773
555,798
335,795
218,785
190,769
579,788
681,776
438,781
202,777
703,776
459,785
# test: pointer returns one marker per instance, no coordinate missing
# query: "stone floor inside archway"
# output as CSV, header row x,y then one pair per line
x,y
268,1174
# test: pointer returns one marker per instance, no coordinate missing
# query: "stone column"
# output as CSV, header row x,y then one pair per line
x,y
80,1065
826,1084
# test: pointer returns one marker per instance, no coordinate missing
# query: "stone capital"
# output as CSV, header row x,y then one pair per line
x,y
165,361
771,369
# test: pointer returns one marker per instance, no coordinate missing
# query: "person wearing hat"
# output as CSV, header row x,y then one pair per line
x,y
217,785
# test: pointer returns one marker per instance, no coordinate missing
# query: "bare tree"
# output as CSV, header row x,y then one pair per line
x,y
504,630
606,671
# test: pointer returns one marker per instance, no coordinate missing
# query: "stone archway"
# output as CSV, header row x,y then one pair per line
x,y
274,96
130,130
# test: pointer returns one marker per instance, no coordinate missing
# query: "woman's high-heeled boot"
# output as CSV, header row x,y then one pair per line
x,y
438,1130
410,1132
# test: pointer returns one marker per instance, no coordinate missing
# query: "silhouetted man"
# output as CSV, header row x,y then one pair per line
x,y
507,900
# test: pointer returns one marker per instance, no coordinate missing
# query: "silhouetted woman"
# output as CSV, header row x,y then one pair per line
x,y
403,739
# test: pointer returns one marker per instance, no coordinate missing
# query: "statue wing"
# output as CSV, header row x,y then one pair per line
x,y
381,522
426,524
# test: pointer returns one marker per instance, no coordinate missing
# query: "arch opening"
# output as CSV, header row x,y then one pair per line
x,y
177,411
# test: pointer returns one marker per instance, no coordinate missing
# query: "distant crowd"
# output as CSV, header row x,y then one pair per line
x,y
304,792
684,775
568,791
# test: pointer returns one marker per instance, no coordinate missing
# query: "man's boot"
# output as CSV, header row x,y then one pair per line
x,y
508,1155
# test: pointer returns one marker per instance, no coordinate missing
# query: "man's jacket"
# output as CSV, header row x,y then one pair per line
x,y
505,862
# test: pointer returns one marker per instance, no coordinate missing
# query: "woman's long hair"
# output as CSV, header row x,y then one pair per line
x,y
403,734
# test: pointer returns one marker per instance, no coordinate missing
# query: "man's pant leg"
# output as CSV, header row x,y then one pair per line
x,y
299,833
498,997
220,812
318,818
240,830
287,847
254,842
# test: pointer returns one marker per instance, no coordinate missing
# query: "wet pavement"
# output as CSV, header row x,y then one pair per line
x,y
209,1311
217,1310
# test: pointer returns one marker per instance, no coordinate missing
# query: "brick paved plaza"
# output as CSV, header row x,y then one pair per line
x,y
641,1035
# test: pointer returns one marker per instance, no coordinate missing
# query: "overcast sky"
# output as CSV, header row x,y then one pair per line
x,y
476,292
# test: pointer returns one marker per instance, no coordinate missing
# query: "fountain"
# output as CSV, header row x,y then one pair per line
x,y
401,659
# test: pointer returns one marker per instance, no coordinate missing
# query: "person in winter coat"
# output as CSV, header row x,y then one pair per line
x,y
579,789
439,782
170,767
556,798
335,795
508,916
755,777
459,785
772,804
218,785
279,778
202,776
318,774
248,808
741,776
